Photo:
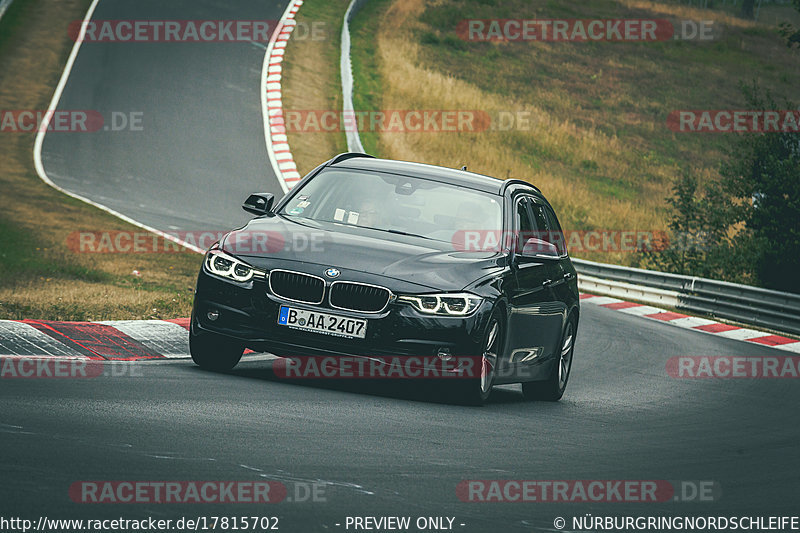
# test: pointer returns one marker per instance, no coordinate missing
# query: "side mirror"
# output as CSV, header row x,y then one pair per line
x,y
259,203
537,248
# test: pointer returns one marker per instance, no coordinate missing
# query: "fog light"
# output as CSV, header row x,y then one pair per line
x,y
213,315
444,354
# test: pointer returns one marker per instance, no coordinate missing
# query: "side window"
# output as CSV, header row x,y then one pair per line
x,y
524,224
527,226
540,221
557,234
550,230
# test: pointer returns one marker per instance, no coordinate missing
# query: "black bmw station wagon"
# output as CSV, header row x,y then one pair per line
x,y
372,258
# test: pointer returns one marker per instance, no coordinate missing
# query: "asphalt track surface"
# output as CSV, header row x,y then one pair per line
x,y
393,448
379,448
201,147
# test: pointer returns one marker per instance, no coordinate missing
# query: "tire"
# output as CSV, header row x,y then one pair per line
x,y
475,391
552,389
214,352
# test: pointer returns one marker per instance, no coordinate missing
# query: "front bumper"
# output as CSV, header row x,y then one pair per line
x,y
248,312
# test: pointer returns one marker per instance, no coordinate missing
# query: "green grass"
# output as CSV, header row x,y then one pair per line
x,y
23,257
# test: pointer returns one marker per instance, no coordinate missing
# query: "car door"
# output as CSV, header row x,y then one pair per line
x,y
536,313
564,276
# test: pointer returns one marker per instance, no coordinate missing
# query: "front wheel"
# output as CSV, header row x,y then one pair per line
x,y
552,389
214,352
476,390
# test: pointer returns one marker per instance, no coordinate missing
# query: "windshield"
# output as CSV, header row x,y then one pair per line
x,y
401,204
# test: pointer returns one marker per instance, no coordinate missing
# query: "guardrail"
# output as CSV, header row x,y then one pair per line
x,y
346,72
3,6
750,305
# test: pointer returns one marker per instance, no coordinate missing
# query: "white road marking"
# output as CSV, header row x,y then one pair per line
x,y
601,300
741,334
789,347
640,310
691,322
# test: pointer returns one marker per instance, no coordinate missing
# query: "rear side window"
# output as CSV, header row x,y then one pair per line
x,y
524,224
556,235
538,220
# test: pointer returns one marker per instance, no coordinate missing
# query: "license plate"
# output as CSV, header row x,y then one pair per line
x,y
339,326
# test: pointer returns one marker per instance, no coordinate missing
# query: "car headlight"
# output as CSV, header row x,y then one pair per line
x,y
445,304
221,264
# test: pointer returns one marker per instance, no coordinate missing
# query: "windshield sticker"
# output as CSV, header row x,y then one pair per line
x,y
352,218
304,204
296,210
338,215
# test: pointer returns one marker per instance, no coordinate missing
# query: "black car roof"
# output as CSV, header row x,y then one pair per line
x,y
461,178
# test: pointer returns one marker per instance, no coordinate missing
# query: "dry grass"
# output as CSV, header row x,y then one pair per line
x,y
55,299
40,276
496,153
597,143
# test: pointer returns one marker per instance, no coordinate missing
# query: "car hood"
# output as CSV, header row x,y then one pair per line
x,y
278,242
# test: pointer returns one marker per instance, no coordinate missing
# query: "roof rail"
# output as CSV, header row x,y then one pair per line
x,y
513,181
348,155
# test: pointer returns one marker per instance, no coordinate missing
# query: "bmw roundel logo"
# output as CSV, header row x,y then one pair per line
x,y
332,272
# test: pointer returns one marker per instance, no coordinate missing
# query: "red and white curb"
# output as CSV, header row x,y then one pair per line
x,y
280,155
695,323
119,340
112,340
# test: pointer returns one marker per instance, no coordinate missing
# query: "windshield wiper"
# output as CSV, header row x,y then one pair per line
x,y
398,232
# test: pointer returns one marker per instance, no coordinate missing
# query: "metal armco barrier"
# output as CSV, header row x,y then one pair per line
x,y
346,72
775,310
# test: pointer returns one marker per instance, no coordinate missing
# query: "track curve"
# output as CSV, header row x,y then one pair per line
x,y
200,150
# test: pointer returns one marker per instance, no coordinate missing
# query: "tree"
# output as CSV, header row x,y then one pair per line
x,y
748,9
744,227
760,188
789,32
700,240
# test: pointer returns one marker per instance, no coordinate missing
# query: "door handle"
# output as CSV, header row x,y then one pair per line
x,y
568,276
547,283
